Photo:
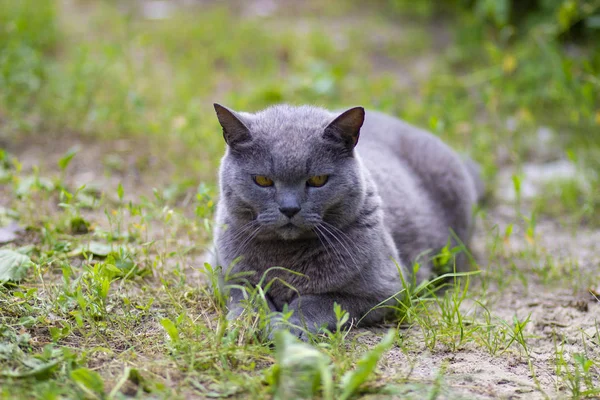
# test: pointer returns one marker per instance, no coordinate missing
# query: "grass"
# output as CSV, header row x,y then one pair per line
x,y
111,298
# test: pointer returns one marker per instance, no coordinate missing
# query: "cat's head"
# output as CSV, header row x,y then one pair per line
x,y
290,171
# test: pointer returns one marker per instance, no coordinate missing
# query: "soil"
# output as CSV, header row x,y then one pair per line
x,y
558,317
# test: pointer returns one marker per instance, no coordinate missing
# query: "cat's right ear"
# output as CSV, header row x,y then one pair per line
x,y
234,130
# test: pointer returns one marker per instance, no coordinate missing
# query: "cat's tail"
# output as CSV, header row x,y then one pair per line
x,y
474,171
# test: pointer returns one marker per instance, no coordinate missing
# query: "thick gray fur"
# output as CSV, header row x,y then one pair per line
x,y
394,197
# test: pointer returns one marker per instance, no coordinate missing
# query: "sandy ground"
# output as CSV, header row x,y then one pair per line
x,y
563,316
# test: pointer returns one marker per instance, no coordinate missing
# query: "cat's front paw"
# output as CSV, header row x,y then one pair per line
x,y
293,325
234,313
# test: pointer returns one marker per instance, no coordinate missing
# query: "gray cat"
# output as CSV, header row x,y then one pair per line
x,y
298,190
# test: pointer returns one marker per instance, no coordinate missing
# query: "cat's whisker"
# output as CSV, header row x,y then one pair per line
x,y
342,244
343,235
315,230
356,265
243,229
335,251
248,240
341,232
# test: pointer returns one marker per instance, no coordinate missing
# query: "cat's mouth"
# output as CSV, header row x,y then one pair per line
x,y
290,231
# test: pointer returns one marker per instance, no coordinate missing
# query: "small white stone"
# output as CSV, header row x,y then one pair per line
x,y
157,9
534,177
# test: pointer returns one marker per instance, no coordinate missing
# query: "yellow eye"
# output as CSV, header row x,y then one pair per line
x,y
317,181
263,181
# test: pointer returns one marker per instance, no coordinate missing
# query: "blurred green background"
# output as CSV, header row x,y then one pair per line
x,y
485,75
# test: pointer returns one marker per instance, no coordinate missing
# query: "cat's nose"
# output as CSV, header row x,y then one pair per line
x,y
289,211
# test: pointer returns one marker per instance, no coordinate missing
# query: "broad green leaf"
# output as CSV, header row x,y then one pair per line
x,y
104,287
13,265
517,184
120,191
124,264
352,380
96,248
300,369
88,380
39,369
170,328
64,162
99,249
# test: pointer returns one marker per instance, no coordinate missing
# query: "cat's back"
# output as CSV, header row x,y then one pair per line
x,y
384,132
424,184
390,144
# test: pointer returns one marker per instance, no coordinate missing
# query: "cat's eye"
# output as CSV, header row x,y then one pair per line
x,y
317,181
262,180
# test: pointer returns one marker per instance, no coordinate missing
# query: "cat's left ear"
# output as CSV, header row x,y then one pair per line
x,y
345,129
